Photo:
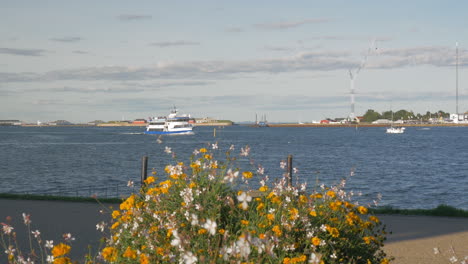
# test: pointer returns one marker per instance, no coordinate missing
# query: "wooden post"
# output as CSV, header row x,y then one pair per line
x,y
144,169
290,169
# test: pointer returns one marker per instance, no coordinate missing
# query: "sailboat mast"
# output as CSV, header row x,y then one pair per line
x,y
456,77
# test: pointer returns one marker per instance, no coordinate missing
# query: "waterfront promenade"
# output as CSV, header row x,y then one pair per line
x,y
412,240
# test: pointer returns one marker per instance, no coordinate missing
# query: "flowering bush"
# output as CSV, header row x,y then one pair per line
x,y
200,214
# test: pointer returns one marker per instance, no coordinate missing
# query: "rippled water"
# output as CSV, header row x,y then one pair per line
x,y
421,168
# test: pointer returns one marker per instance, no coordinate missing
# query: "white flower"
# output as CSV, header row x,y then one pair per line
x,y
231,147
50,259
260,170
100,226
196,152
453,259
49,244
333,256
295,170
36,233
159,141
245,151
189,258
314,259
168,150
243,247
214,146
210,226
7,229
130,184
244,199
194,220
26,219
283,164
68,237
323,228
176,241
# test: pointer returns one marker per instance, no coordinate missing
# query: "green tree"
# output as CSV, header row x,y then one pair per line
x,y
371,116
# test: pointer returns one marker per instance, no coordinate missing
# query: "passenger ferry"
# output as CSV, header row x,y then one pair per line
x,y
174,123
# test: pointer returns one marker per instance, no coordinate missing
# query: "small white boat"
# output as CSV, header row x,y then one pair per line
x,y
395,130
174,123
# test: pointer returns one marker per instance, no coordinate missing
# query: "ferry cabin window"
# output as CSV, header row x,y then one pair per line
x,y
155,129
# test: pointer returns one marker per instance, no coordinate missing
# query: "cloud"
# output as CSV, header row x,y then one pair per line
x,y
164,44
97,90
132,17
23,52
215,70
48,102
80,52
234,29
287,25
67,39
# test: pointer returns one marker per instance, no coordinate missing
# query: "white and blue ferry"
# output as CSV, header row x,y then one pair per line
x,y
174,123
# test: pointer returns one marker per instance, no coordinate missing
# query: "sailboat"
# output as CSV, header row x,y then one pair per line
x,y
395,130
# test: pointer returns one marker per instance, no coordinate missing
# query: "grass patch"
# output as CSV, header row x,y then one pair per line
x,y
58,198
441,210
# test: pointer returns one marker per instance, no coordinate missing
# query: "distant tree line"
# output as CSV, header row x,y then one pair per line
x,y
372,115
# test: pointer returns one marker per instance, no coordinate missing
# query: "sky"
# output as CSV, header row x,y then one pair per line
x,y
289,60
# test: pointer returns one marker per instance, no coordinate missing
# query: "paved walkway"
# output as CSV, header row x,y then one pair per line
x,y
412,241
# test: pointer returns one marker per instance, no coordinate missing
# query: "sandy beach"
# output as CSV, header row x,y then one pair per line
x,y
412,239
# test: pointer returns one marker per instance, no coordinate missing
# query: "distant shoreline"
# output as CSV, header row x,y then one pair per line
x,y
269,125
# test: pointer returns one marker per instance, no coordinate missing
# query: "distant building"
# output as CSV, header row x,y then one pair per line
x,y
382,121
139,121
10,123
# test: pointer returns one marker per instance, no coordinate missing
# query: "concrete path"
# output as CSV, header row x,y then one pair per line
x,y
412,240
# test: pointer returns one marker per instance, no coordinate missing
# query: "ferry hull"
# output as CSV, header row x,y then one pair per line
x,y
182,132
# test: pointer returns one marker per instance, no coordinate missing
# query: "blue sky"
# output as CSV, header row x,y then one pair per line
x,y
289,60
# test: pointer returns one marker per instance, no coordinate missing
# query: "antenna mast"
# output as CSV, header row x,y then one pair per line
x,y
352,115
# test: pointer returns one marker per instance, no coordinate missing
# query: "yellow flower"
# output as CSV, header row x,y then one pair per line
x,y
313,213
302,199
144,259
260,206
62,260
202,231
271,217
150,180
384,261
277,230
293,213
160,251
129,203
331,194
115,214
362,210
130,253
374,219
262,236
367,240
247,174
244,222
109,254
203,150
316,241
263,188
333,231
286,261
221,231
60,250
115,225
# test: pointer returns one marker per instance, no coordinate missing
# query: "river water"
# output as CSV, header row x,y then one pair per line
x,y
422,168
